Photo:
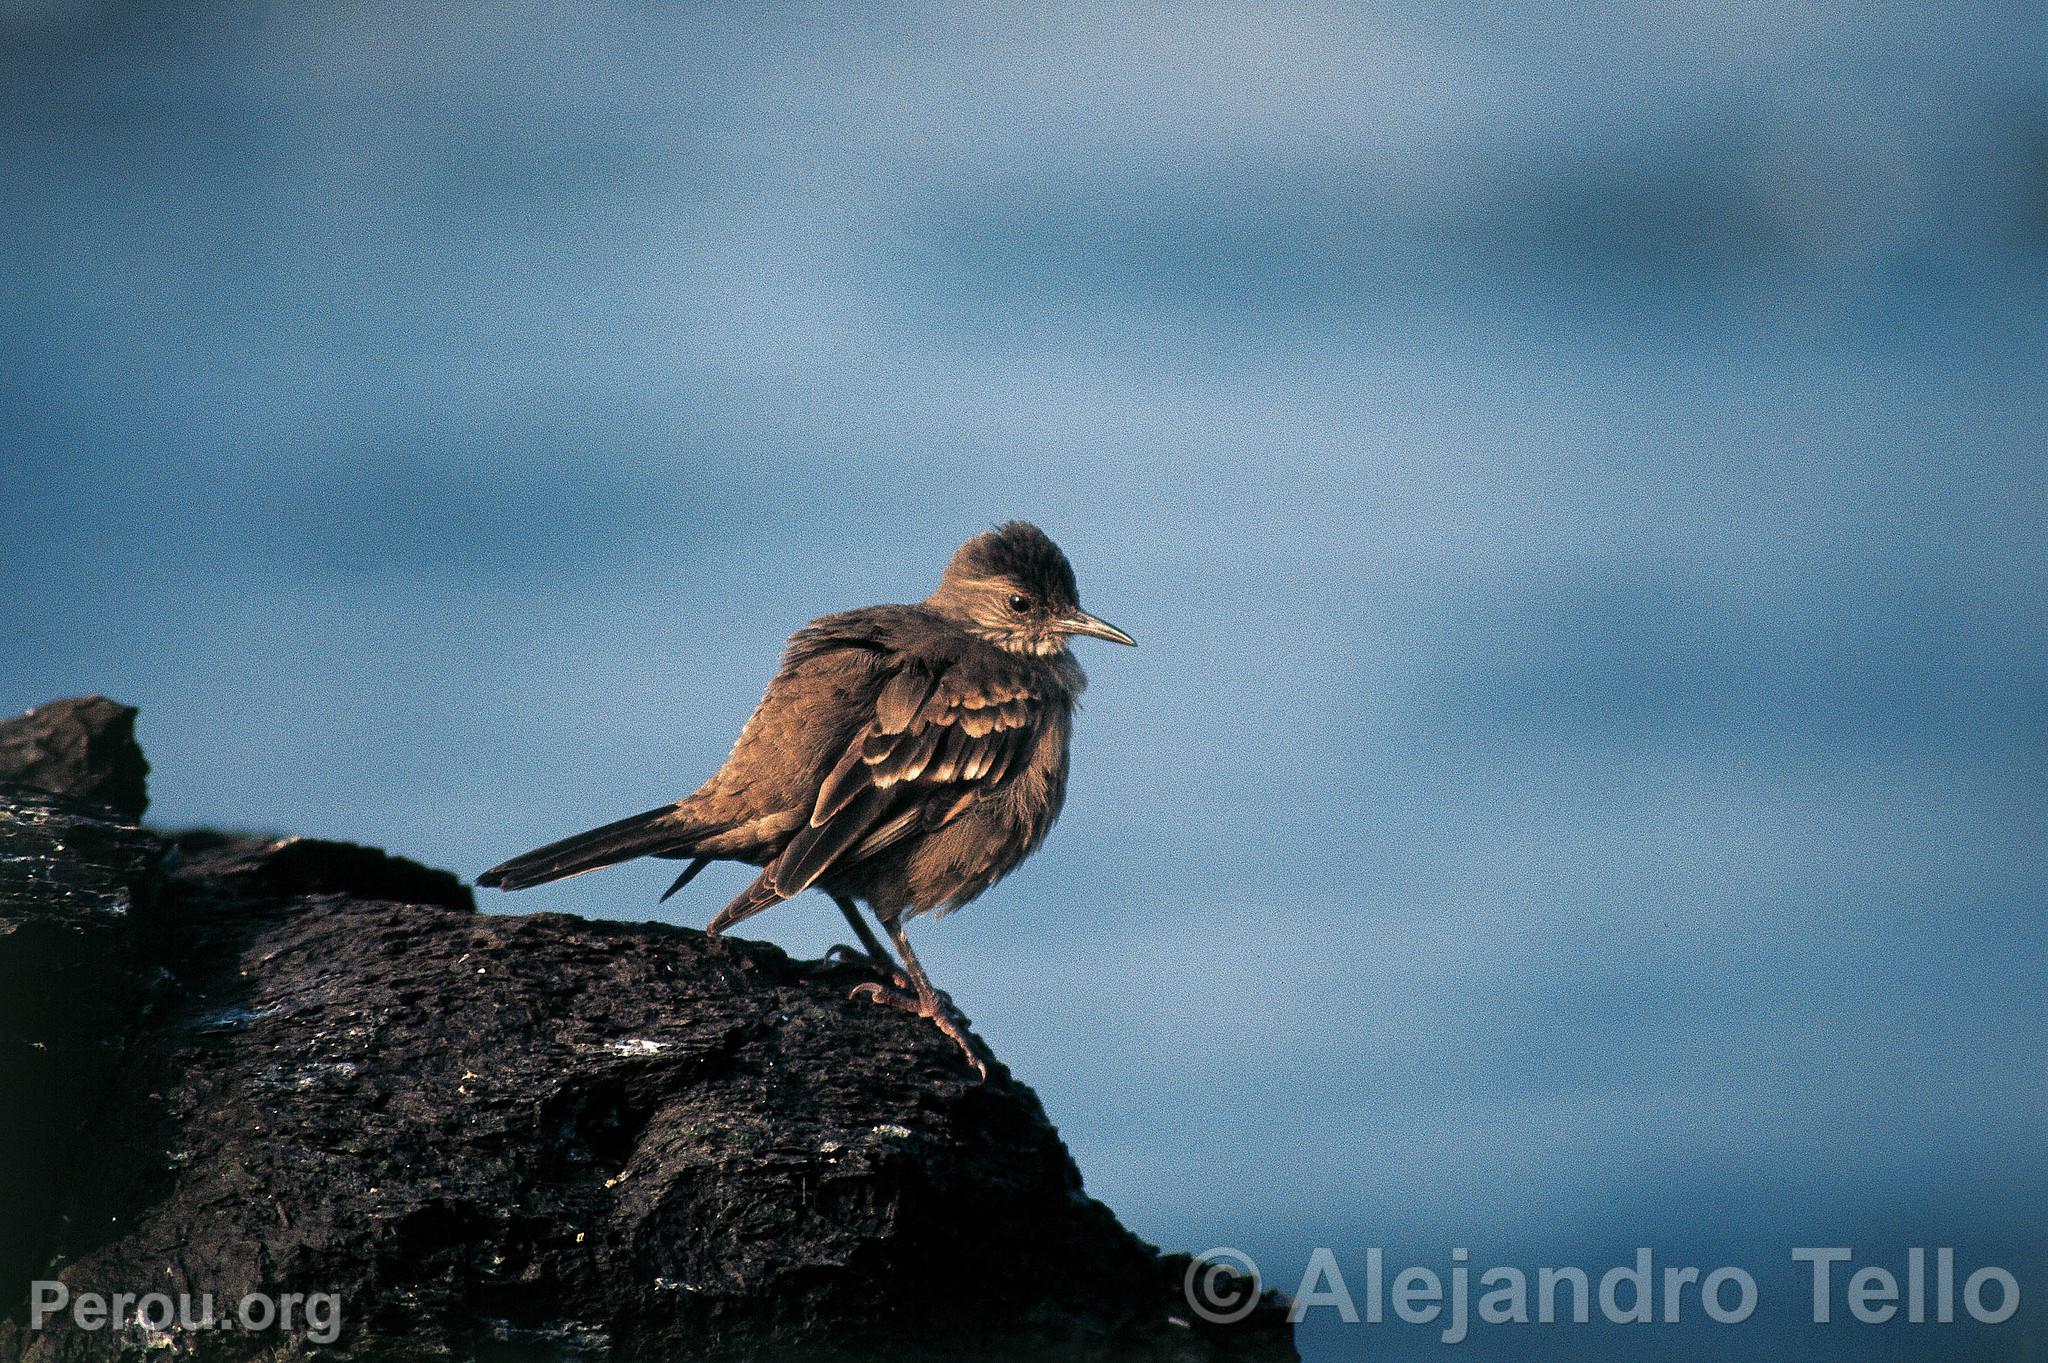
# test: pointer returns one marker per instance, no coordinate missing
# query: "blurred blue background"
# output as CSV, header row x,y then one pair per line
x,y
1576,474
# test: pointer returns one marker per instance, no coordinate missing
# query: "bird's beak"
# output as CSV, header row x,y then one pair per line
x,y
1081,622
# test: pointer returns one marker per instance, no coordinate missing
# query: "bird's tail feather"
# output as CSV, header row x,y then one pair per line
x,y
689,874
756,897
649,834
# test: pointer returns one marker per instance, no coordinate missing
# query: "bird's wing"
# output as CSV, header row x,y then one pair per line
x,y
939,740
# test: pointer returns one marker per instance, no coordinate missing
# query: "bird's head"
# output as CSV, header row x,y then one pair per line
x,y
1013,587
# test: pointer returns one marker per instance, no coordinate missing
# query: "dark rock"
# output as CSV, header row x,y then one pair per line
x,y
225,865
70,983
539,1137
83,747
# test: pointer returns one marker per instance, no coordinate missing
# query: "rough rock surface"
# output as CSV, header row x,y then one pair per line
x,y
83,747
70,983
288,1066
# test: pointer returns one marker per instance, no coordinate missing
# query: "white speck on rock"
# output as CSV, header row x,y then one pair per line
x,y
227,1019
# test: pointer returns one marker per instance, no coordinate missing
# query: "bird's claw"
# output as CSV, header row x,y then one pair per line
x,y
948,1024
894,998
938,1008
842,954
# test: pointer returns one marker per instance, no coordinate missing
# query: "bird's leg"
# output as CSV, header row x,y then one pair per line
x,y
878,955
927,1002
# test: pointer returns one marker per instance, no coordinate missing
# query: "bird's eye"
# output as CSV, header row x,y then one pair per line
x,y
1019,603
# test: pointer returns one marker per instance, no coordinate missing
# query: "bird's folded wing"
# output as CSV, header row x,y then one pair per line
x,y
939,741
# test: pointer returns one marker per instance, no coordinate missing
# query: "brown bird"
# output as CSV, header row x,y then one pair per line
x,y
905,756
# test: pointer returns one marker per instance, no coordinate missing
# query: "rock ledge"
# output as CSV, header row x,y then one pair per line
x,y
289,1066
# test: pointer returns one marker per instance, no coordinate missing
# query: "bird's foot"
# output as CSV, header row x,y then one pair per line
x,y
842,954
938,1008
955,1026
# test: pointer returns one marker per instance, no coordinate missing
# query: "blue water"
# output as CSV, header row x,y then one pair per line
x,y
1576,476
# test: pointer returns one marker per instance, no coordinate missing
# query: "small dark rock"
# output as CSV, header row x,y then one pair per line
x,y
241,867
83,747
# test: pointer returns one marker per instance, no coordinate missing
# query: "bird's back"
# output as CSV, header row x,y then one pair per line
x,y
819,698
